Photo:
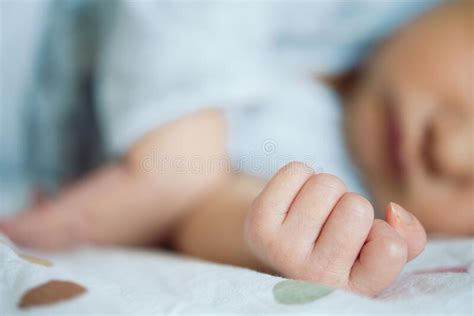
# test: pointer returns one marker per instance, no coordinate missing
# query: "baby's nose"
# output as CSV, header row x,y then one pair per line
x,y
449,145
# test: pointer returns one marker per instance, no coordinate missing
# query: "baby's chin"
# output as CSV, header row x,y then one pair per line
x,y
449,215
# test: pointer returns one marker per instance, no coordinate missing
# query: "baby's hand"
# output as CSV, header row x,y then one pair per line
x,y
307,226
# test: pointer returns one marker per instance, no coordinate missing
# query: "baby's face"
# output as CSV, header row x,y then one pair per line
x,y
410,121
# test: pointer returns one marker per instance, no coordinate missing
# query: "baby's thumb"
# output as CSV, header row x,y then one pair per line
x,y
408,227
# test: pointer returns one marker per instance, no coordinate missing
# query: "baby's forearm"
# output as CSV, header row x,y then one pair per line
x,y
136,200
161,177
112,205
116,205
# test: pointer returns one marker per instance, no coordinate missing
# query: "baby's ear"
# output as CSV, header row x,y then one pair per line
x,y
342,83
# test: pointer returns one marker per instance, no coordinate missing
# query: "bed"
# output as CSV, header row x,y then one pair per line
x,y
141,282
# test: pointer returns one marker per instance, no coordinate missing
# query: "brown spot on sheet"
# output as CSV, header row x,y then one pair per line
x,y
51,292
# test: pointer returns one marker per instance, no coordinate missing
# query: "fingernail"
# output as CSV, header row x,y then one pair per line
x,y
402,215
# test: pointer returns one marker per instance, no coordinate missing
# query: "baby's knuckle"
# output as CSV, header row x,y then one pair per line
x,y
358,205
328,181
395,247
297,167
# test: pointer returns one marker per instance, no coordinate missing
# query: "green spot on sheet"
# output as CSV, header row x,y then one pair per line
x,y
299,292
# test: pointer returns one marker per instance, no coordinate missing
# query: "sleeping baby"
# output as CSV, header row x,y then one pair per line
x,y
408,123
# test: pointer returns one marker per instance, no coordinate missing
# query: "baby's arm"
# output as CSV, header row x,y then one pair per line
x,y
135,200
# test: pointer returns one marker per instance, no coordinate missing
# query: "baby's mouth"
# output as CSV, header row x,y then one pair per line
x,y
396,158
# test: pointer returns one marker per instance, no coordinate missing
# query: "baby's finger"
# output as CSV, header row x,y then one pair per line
x,y
343,235
408,227
49,229
312,206
380,260
271,206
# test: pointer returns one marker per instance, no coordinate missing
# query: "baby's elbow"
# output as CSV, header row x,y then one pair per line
x,y
188,154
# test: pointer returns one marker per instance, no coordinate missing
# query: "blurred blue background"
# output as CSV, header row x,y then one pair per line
x,y
82,80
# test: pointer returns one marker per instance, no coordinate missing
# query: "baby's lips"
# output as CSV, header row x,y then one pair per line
x,y
408,226
3,225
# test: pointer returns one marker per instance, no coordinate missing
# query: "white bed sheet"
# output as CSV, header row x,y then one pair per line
x,y
139,282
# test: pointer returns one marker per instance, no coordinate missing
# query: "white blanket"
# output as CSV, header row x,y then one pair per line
x,y
136,282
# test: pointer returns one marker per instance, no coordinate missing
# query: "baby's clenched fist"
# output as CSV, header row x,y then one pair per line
x,y
307,226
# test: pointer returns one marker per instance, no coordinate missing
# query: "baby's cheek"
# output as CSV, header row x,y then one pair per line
x,y
454,215
364,131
